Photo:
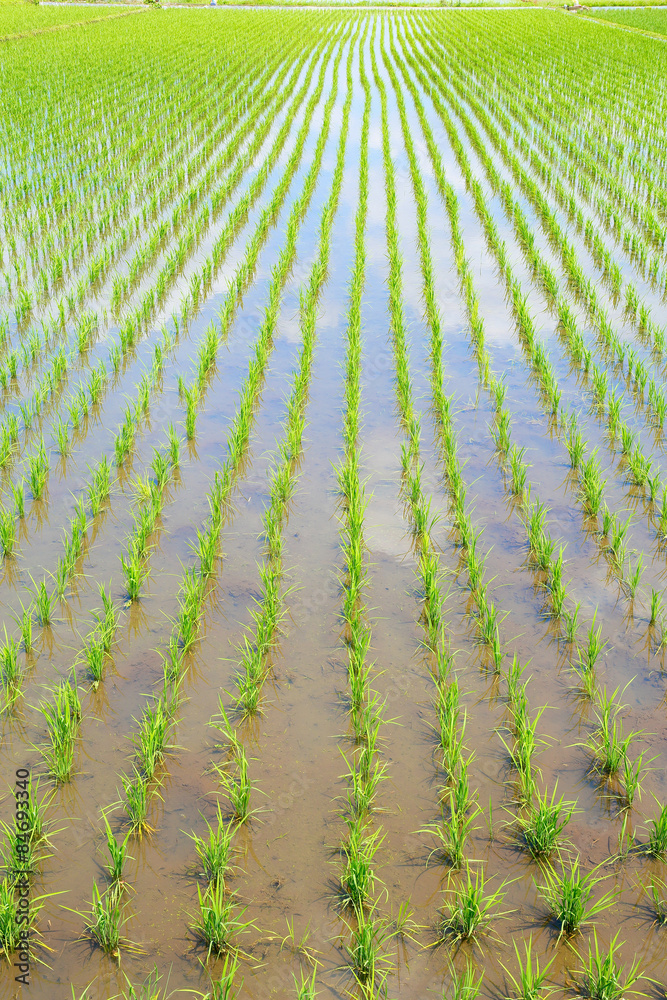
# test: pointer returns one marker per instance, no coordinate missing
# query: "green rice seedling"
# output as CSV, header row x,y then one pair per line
x,y
366,951
542,827
214,851
529,982
44,604
105,922
633,775
575,446
161,469
634,576
19,498
568,897
608,749
364,777
463,985
14,921
135,572
540,543
617,541
592,485
61,434
656,607
237,787
658,896
136,803
358,878
10,670
94,654
207,550
589,654
220,922
571,619
518,469
305,986
452,835
515,672
38,472
174,447
657,837
117,855
472,908
100,486
191,397
151,742
62,717
501,432
602,978
224,988
556,586
7,532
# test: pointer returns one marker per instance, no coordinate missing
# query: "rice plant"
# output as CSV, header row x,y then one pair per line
x,y
601,977
105,922
657,838
529,981
219,923
473,906
214,851
569,897
542,826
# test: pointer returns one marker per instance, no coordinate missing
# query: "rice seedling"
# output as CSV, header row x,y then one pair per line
x,y
220,922
38,472
237,787
541,828
44,604
472,908
117,856
633,775
569,897
657,838
13,920
601,977
224,988
658,897
634,576
136,803
214,851
529,982
305,985
19,498
463,985
370,935
452,834
63,718
7,532
357,877
105,921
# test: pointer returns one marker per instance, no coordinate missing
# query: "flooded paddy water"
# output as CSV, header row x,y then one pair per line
x,y
333,507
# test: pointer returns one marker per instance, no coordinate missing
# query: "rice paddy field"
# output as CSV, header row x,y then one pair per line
x,y
333,507
646,20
